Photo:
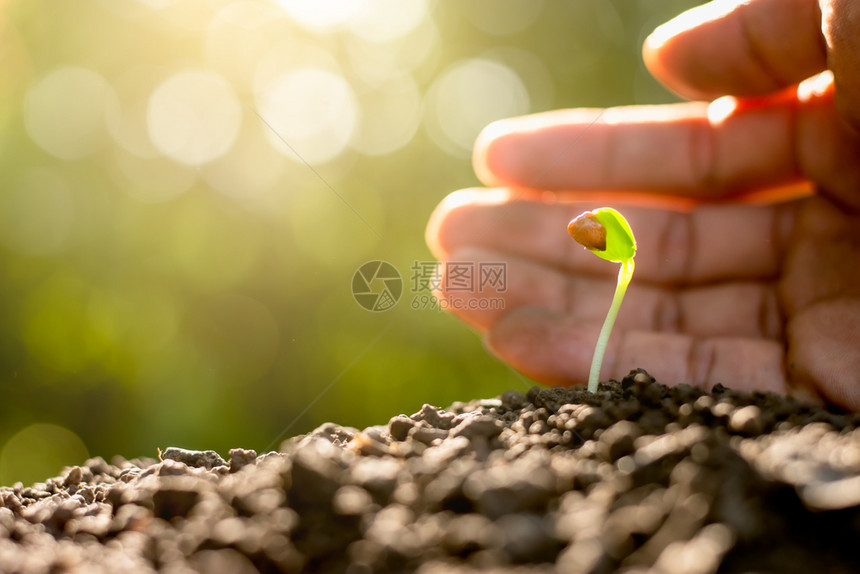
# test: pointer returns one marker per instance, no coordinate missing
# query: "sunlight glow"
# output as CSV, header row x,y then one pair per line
x,y
314,111
63,112
194,116
321,15
467,97
390,117
386,20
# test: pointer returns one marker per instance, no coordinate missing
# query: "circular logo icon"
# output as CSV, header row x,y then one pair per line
x,y
377,286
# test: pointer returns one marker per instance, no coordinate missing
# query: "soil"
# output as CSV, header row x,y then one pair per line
x,y
638,477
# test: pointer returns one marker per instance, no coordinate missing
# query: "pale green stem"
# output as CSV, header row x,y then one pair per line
x,y
624,275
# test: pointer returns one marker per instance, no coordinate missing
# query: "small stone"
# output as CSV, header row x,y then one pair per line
x,y
377,476
618,440
832,495
334,433
522,487
719,389
73,477
478,426
351,501
98,465
526,538
434,417
368,445
263,501
747,420
468,533
314,476
400,426
170,467
197,458
427,435
240,458
10,500
130,517
722,409
638,379
222,562
379,433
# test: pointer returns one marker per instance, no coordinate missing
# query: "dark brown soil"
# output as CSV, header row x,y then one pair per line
x,y
638,477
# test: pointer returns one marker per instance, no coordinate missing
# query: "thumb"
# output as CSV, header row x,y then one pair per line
x,y
840,23
823,351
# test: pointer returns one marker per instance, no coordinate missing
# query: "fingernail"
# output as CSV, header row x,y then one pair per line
x,y
492,154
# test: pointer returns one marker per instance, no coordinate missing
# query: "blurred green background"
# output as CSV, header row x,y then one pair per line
x,y
172,274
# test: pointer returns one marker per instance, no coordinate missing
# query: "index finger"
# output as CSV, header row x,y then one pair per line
x,y
690,149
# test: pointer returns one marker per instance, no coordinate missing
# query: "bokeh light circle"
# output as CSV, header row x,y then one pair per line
x,y
321,15
64,112
532,71
313,111
390,117
194,116
386,20
468,96
240,35
39,451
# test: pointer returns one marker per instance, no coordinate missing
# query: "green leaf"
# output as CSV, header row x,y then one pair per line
x,y
620,243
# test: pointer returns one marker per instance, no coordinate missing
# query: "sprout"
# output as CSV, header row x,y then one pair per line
x,y
607,234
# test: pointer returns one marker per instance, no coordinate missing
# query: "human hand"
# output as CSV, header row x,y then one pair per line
x,y
743,276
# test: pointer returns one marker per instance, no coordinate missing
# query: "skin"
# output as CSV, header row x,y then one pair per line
x,y
746,209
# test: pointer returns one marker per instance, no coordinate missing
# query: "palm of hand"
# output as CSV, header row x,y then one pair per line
x,y
760,296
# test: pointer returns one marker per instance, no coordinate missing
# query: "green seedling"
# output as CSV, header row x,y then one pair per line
x,y
607,234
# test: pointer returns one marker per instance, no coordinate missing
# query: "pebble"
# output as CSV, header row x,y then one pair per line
x,y
199,458
400,426
437,418
240,458
746,420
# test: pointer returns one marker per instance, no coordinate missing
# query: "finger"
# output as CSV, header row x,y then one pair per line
x,y
841,27
741,48
673,149
556,350
728,150
758,47
823,353
709,243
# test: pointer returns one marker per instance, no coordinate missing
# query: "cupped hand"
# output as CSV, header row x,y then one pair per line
x,y
746,209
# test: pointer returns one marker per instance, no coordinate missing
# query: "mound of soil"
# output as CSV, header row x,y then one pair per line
x,y
638,477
